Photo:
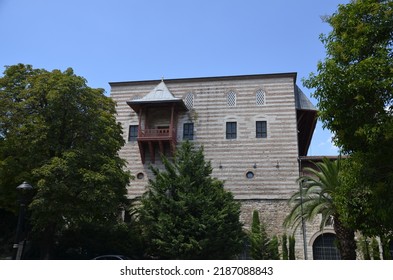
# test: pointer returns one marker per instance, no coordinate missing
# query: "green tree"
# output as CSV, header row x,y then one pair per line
x,y
262,247
187,214
258,237
364,247
354,89
365,201
273,248
370,247
62,137
317,196
292,243
354,82
284,247
375,249
8,222
385,242
92,240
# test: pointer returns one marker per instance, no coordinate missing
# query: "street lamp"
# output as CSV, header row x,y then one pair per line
x,y
24,191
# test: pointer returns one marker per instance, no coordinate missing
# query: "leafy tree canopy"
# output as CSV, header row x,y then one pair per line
x,y
354,89
354,84
62,137
365,200
187,214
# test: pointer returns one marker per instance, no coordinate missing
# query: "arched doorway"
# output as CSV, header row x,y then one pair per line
x,y
324,247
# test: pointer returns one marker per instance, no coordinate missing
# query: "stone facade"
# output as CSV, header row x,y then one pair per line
x,y
260,171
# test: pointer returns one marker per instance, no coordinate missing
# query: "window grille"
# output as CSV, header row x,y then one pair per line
x,y
189,100
324,247
260,97
231,99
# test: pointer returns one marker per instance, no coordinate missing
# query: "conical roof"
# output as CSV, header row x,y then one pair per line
x,y
159,95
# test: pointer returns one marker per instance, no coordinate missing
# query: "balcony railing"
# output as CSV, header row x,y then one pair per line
x,y
156,133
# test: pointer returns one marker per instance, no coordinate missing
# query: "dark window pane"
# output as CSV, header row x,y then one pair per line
x,y
133,133
188,131
231,132
324,247
261,129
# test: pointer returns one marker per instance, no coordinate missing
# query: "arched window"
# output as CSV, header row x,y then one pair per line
x,y
189,100
260,97
324,247
231,99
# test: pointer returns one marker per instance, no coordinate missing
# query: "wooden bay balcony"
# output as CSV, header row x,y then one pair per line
x,y
152,137
158,107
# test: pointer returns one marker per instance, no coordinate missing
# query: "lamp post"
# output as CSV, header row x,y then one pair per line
x,y
23,192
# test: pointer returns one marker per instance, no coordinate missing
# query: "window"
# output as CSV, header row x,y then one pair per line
x,y
261,129
324,247
231,130
133,133
231,99
250,175
189,100
188,131
260,97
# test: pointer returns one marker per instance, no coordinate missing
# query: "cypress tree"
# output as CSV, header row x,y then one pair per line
x,y
284,246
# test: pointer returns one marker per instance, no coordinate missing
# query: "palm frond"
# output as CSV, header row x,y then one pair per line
x,y
315,195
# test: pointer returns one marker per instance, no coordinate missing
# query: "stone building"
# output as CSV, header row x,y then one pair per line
x,y
254,129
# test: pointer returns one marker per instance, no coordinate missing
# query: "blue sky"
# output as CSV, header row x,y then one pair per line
x,y
126,40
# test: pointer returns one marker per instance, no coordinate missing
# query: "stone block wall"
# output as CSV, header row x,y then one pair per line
x,y
273,160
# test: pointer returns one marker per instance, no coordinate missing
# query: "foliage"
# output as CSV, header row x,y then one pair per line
x,y
288,250
385,240
62,137
318,196
365,201
91,240
364,248
375,249
292,243
354,83
273,248
354,89
262,247
8,223
284,247
258,238
187,214
370,248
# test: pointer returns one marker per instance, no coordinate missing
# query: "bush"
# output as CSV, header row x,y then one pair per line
x,y
91,240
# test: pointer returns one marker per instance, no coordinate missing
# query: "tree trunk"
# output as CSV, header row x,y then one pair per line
x,y
346,240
